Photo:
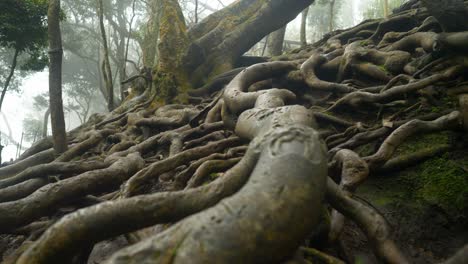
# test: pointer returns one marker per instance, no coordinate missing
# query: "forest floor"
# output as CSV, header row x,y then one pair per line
x,y
179,182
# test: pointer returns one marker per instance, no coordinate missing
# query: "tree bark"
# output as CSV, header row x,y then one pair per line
x,y
276,41
385,8
150,40
106,71
214,45
10,76
55,77
45,123
331,16
304,27
451,14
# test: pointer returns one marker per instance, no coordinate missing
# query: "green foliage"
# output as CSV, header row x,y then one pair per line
x,y
23,29
23,24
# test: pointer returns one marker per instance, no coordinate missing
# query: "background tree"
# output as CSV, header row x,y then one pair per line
x,y
379,8
55,77
25,33
276,41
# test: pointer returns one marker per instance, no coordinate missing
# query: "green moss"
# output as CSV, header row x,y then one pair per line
x,y
418,142
365,43
443,181
383,68
214,176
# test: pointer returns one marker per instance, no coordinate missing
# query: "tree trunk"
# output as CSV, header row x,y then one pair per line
x,y
304,27
150,40
106,68
331,16
10,76
214,45
45,123
55,77
276,42
385,8
451,14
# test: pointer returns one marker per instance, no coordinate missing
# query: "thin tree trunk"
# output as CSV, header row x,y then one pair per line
x,y
276,41
46,123
100,77
385,8
196,11
55,77
107,71
304,27
122,86
10,76
331,16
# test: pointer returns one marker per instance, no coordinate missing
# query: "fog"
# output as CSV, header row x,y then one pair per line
x,y
19,105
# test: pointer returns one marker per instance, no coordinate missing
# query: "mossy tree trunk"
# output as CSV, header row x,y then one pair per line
x,y
187,58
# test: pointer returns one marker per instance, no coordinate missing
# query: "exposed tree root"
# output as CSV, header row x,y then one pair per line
x,y
372,223
134,185
53,168
36,159
405,161
141,165
99,222
400,134
21,190
50,197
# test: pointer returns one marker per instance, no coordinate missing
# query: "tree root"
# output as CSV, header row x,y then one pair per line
x,y
21,190
356,98
311,79
353,171
405,161
208,167
136,183
40,203
99,222
388,147
53,168
36,159
272,200
370,221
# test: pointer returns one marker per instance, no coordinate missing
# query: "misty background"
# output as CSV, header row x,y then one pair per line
x,y
26,102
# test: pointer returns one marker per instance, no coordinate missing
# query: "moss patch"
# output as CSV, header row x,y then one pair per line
x,y
444,182
441,181
418,142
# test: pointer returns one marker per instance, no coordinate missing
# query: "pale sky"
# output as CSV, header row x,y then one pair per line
x,y
17,106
